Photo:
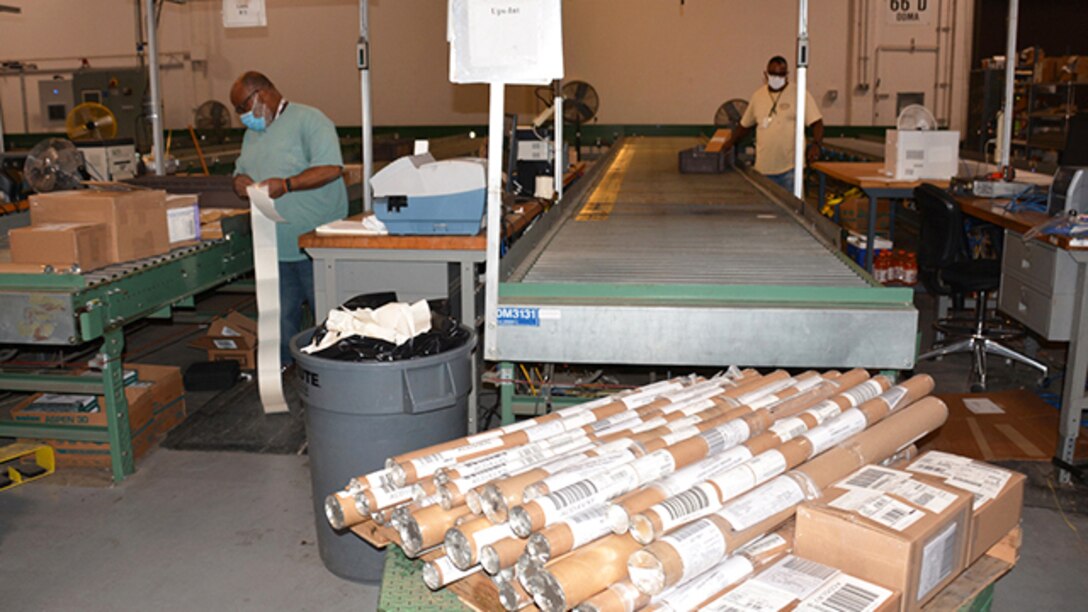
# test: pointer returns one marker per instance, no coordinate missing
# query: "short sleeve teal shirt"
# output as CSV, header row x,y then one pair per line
x,y
300,138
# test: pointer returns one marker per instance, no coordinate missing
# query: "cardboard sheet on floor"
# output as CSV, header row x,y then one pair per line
x,y
1023,427
264,217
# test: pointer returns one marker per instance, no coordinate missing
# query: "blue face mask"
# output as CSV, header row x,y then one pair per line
x,y
252,122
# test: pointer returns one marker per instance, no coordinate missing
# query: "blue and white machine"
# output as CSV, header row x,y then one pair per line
x,y
418,195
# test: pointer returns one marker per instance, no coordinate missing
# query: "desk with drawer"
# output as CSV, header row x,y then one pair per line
x,y
1044,282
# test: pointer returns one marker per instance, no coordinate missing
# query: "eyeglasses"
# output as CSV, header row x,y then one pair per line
x,y
243,108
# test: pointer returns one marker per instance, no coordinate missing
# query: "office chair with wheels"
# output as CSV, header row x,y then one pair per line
x,y
945,267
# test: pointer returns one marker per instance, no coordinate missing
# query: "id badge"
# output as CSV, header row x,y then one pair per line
x,y
767,121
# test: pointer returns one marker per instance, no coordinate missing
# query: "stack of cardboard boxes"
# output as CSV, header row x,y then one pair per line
x,y
887,539
88,229
156,404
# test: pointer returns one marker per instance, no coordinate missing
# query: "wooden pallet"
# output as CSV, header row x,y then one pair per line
x,y
477,592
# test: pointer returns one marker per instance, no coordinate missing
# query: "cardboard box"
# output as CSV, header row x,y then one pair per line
x,y
141,409
182,218
900,530
135,220
854,215
156,405
797,583
70,453
232,337
60,245
211,221
997,495
913,155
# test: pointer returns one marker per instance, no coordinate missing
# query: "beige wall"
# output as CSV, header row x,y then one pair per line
x,y
652,61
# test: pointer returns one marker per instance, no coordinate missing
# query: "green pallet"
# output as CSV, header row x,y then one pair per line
x,y
982,602
403,588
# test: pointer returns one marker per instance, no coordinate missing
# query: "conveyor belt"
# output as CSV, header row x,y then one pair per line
x,y
665,227
644,265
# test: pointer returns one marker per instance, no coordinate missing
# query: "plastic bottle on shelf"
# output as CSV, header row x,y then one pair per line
x,y
910,269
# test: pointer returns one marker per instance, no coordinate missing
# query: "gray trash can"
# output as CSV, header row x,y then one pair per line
x,y
360,413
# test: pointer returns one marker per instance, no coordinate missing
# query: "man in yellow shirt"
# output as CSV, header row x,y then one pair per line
x,y
772,112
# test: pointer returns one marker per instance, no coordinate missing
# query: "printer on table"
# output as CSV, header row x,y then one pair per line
x,y
419,195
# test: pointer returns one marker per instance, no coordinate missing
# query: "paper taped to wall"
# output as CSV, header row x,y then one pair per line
x,y
263,217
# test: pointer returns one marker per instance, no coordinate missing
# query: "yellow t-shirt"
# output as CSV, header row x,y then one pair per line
x,y
774,115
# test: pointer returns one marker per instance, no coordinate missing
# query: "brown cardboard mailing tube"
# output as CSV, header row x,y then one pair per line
x,y
731,571
512,595
708,497
567,535
441,572
427,527
463,542
577,577
661,565
409,467
340,510
456,443
625,507
619,597
499,496
498,556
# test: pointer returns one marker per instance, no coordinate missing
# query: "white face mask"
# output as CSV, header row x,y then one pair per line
x,y
776,82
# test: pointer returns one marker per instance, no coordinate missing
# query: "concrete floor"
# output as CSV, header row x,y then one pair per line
x,y
188,531
234,531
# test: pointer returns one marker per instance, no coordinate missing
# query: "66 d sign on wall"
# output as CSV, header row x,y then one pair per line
x,y
908,12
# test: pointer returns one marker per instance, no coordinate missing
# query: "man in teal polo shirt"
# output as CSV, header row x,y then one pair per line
x,y
293,150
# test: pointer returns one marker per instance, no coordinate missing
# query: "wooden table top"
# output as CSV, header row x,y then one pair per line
x,y
513,223
867,175
993,210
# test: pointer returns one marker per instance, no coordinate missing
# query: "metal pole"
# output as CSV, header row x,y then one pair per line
x,y
560,153
155,110
802,87
494,217
1010,82
363,60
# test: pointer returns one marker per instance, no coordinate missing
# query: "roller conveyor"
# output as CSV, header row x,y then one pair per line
x,y
649,266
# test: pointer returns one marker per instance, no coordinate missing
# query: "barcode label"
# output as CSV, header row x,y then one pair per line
x,y
589,525
654,466
751,596
938,464
845,593
726,436
890,512
693,474
927,496
767,465
679,435
836,430
689,595
572,493
985,481
684,505
938,560
768,543
824,411
734,481
788,429
700,546
777,495
894,397
862,393
796,576
874,478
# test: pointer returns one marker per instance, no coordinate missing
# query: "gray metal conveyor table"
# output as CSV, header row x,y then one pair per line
x,y
647,266
72,309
